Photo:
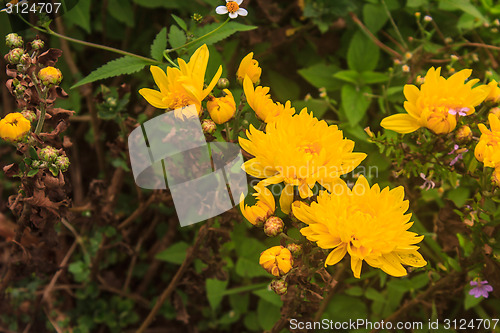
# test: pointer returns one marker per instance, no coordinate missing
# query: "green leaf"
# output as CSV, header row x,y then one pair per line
x,y
121,11
471,301
348,76
80,15
362,54
33,153
267,314
374,16
215,291
249,268
458,195
176,37
180,22
416,3
373,77
321,76
463,5
54,170
269,296
159,44
33,172
354,102
317,106
120,66
175,254
227,30
283,88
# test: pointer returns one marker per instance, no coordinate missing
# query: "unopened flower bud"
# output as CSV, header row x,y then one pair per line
x,y
48,154
197,17
369,132
496,177
408,55
62,162
50,76
208,126
496,112
19,91
111,101
36,164
223,83
25,60
295,249
37,44
14,56
273,226
13,40
454,57
280,286
463,134
29,115
418,14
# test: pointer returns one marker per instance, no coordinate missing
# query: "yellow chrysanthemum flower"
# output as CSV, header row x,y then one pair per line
x,y
367,223
488,148
299,150
277,260
264,207
250,67
494,94
438,103
260,101
223,108
184,86
14,126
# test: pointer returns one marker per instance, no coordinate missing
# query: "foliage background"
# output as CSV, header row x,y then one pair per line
x,y
125,245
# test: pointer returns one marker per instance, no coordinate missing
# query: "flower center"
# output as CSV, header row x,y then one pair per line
x,y
176,101
13,122
232,6
310,150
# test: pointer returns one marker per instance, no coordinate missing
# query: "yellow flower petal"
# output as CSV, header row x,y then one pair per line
x,y
401,123
336,255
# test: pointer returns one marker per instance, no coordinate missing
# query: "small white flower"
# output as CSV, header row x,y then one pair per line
x,y
233,8
427,18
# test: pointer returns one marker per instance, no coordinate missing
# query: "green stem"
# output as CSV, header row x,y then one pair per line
x,y
394,25
102,47
43,109
197,39
165,55
49,31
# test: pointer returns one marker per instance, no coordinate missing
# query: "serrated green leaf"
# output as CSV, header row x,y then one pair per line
x,y
355,103
180,22
215,291
120,66
159,44
175,254
227,30
362,54
176,37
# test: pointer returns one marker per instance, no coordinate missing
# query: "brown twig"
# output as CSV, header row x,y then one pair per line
x,y
373,38
332,286
191,252
440,285
138,212
64,262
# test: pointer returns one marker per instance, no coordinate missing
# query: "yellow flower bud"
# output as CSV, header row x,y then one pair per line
x,y
250,67
496,176
222,109
273,226
464,134
276,260
264,207
14,127
50,76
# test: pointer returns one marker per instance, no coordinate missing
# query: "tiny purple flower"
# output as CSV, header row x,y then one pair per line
x,y
482,289
461,112
428,184
459,155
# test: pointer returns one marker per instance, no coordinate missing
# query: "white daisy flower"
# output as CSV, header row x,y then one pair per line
x,y
233,8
